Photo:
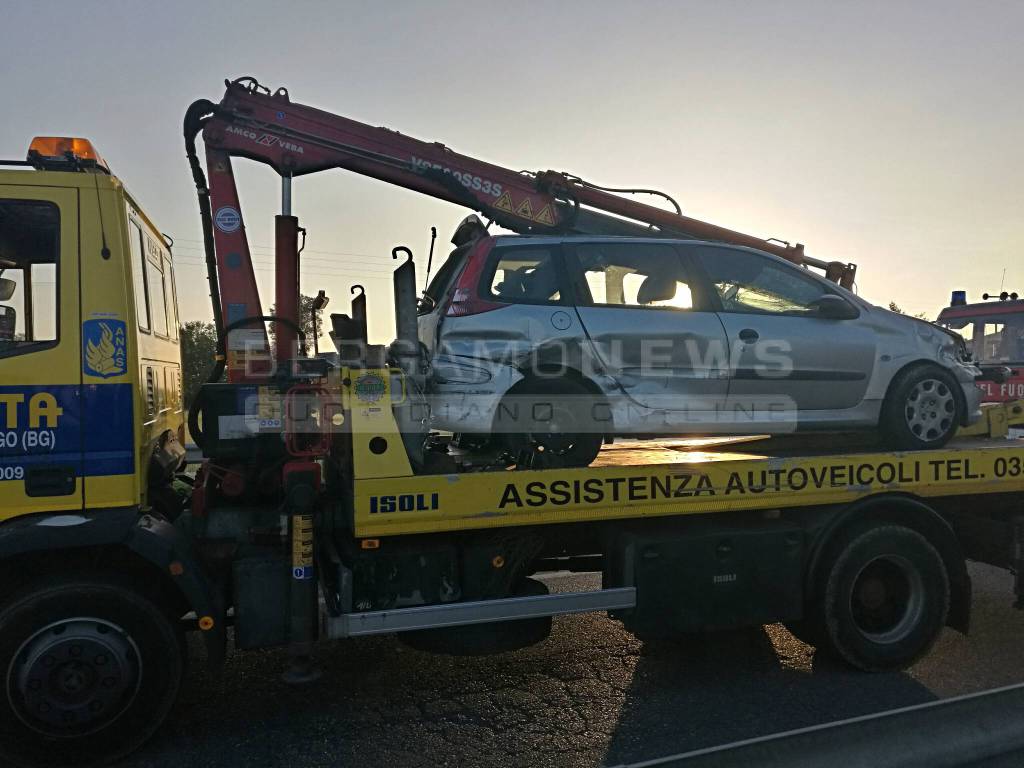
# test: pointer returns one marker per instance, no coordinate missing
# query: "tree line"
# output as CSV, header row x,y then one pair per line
x,y
199,346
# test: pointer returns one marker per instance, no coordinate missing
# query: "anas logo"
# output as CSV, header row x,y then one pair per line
x,y
104,348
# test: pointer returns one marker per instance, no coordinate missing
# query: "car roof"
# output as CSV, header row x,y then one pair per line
x,y
509,239
557,239
626,239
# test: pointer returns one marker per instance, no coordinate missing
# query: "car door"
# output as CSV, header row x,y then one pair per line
x,y
519,308
650,327
40,373
783,354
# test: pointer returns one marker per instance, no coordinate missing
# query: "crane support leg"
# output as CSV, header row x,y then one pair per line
x,y
286,298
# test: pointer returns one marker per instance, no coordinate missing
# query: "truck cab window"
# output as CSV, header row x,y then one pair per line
x,y
29,249
998,342
139,276
171,295
157,289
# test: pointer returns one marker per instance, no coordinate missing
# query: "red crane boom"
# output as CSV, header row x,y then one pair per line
x,y
294,139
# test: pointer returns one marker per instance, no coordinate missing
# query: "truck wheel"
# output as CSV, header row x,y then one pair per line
x,y
556,418
922,409
90,669
885,599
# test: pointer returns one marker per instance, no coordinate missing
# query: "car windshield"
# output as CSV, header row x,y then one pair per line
x,y
992,339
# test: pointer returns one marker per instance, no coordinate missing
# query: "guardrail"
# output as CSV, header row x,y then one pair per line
x,y
978,729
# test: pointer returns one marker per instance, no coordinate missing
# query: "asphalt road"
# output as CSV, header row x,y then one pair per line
x,y
590,695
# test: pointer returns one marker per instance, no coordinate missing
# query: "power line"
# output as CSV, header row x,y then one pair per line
x,y
341,272
268,258
258,259
254,246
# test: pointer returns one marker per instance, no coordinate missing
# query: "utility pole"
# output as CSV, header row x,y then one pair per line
x,y
319,302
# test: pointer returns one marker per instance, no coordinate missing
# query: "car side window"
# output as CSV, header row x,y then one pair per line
x,y
526,276
635,275
29,256
749,282
442,280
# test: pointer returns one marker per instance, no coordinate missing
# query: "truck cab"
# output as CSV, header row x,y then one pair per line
x,y
994,332
90,368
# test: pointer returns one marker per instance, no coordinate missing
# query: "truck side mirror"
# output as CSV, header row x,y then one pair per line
x,y
8,322
832,307
7,288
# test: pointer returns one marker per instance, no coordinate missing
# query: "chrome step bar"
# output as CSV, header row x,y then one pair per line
x,y
477,612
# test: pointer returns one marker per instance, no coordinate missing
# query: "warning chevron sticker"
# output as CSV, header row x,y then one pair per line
x,y
504,203
525,209
545,216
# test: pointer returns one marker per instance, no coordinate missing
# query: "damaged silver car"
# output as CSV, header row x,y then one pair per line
x,y
554,345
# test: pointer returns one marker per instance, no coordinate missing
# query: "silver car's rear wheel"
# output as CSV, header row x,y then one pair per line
x,y
556,427
930,409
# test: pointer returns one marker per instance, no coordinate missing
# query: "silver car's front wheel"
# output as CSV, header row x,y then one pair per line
x,y
923,408
930,409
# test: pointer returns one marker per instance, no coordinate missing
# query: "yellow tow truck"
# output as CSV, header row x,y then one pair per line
x,y
317,513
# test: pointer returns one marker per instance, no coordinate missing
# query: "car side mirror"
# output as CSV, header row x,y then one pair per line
x,y
7,288
832,307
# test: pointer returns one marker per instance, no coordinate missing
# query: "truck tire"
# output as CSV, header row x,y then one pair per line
x,y
922,409
90,668
558,428
885,598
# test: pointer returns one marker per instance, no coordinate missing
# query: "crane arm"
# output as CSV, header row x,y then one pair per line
x,y
295,139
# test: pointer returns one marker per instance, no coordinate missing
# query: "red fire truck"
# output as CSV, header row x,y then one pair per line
x,y
994,329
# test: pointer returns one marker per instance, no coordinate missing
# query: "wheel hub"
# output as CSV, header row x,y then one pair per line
x,y
74,676
887,599
930,409
553,435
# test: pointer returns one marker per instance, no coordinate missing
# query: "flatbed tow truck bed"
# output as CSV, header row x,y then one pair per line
x,y
686,477
706,533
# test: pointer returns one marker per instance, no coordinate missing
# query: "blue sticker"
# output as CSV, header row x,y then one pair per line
x,y
302,572
227,219
86,427
104,348
237,312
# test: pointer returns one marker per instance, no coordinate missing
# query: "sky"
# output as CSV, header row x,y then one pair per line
x,y
887,134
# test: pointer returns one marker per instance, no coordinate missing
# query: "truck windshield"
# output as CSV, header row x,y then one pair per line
x,y
992,339
29,235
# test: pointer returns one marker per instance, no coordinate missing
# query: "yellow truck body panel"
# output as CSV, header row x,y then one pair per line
x,y
90,369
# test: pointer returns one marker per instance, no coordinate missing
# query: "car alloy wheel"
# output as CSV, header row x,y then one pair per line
x,y
930,409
